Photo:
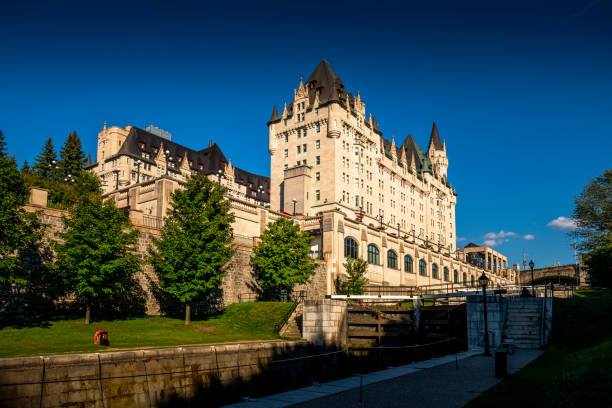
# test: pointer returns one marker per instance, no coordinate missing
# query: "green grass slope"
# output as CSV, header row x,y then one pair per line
x,y
238,322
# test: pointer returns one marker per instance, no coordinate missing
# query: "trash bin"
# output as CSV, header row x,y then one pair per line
x,y
501,363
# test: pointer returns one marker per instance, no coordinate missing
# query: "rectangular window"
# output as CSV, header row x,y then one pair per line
x,y
318,144
299,149
304,148
286,137
304,162
299,133
318,159
286,152
297,163
286,166
318,194
316,111
318,176
305,132
318,128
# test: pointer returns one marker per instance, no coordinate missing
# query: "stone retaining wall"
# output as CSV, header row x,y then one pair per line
x,y
325,321
145,378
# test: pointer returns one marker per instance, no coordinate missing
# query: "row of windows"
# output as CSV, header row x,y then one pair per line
x,y
351,249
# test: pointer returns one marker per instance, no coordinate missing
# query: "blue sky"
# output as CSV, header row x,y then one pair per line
x,y
521,91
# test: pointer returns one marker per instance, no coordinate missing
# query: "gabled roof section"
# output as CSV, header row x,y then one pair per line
x,y
415,155
434,139
324,80
375,125
207,161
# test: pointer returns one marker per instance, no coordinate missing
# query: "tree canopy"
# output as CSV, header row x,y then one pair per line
x,y
593,216
195,242
96,259
20,231
282,257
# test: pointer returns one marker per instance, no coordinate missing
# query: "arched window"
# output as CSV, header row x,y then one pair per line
x,y
434,271
391,259
446,274
350,248
373,255
408,264
455,276
472,280
465,278
422,268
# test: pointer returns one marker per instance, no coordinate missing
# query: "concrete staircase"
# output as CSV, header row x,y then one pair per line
x,y
523,325
293,327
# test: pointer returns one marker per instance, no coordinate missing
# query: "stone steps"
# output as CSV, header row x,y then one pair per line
x,y
293,326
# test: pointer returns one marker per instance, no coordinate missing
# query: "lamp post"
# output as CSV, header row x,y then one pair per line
x,y
381,220
219,175
138,163
294,203
483,281
398,230
531,265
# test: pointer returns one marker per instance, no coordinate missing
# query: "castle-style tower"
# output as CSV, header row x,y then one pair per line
x,y
328,154
437,153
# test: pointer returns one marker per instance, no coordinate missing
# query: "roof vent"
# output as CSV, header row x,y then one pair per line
x,y
159,132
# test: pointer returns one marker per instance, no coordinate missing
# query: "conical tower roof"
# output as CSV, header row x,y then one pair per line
x,y
325,80
274,116
434,139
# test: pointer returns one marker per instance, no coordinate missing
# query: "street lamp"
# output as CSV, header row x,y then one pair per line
x,y
531,265
483,281
294,203
138,163
219,175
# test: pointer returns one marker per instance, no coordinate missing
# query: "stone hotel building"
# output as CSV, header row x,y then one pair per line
x,y
359,194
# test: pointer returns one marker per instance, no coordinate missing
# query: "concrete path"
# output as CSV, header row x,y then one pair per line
x,y
439,382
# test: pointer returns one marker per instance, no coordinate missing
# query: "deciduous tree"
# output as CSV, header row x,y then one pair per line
x,y
282,257
593,216
195,242
96,260
356,281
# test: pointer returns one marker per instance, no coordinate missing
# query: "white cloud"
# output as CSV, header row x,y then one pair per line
x,y
500,234
529,237
461,239
562,223
491,242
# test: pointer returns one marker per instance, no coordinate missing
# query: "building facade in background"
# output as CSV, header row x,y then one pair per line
x,y
357,193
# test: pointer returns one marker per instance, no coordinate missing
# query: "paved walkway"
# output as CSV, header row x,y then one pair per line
x,y
439,382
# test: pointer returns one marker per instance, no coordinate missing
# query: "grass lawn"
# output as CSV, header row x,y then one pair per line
x,y
575,370
238,322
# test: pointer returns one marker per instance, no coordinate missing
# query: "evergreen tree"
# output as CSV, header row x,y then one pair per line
x,y
45,163
2,144
20,232
96,261
282,258
72,156
194,243
356,281
25,168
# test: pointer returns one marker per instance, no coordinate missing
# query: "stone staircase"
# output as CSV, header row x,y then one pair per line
x,y
293,327
523,325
